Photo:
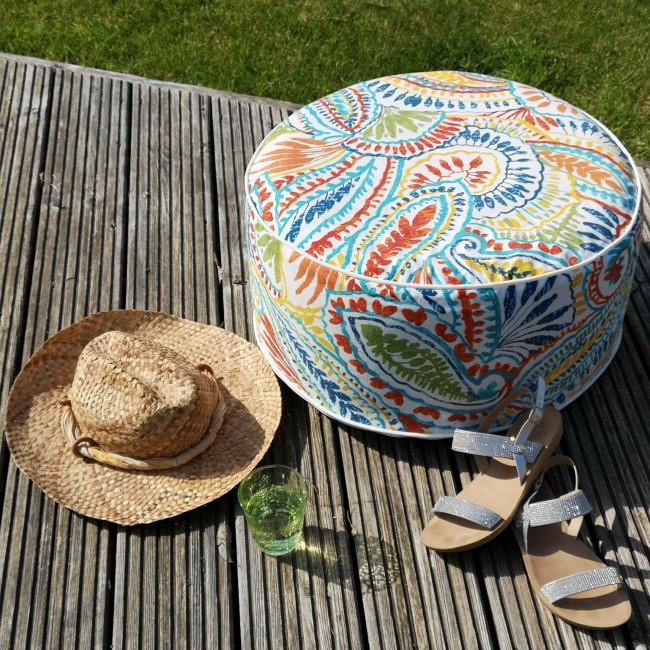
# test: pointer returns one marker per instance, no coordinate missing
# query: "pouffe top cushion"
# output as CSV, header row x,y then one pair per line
x,y
366,181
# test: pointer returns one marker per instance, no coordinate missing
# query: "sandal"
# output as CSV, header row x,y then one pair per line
x,y
489,503
567,576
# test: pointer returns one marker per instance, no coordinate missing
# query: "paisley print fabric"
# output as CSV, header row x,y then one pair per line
x,y
422,244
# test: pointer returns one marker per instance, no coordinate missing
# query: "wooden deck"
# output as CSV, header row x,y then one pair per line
x,y
117,191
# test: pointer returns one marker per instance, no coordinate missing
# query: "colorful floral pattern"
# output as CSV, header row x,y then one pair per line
x,y
421,244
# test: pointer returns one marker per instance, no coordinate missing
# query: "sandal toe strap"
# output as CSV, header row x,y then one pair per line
x,y
580,582
469,511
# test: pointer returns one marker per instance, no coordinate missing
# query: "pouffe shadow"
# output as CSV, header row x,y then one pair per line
x,y
422,244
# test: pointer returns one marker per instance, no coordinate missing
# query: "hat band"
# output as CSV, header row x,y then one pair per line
x,y
86,447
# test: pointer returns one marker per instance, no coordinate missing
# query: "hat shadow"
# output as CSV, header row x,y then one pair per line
x,y
238,444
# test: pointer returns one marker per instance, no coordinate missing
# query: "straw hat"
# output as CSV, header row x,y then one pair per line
x,y
136,416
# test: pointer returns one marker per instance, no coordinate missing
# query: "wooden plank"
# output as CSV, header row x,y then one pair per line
x,y
59,562
24,115
309,598
461,618
411,597
24,101
259,616
174,583
231,214
167,85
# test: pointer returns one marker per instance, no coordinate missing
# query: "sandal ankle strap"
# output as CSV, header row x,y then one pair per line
x,y
518,448
571,506
537,407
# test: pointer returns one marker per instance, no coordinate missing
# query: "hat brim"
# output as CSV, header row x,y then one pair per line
x,y
41,451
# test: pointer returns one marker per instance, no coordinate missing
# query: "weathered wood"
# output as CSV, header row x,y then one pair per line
x,y
58,561
167,85
24,97
411,597
180,592
231,213
308,599
120,192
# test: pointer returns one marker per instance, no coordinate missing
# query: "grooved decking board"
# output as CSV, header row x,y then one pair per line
x,y
174,579
56,575
412,598
24,102
308,599
24,96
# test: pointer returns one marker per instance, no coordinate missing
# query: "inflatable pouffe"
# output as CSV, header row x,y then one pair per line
x,y
422,244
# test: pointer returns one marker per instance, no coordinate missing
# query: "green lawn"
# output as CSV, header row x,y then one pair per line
x,y
593,53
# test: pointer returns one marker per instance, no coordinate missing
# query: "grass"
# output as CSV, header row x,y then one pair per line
x,y
593,53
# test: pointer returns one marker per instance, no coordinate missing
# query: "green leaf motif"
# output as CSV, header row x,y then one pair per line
x,y
391,121
413,362
271,252
564,231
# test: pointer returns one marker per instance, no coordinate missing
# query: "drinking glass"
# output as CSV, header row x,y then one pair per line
x,y
274,498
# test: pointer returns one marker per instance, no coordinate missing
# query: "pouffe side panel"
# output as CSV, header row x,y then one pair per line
x,y
416,361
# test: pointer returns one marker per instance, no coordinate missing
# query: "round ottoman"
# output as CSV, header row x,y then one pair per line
x,y
422,244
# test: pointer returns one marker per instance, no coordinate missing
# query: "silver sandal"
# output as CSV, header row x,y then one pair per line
x,y
508,466
566,575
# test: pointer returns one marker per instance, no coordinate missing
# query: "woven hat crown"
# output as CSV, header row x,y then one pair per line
x,y
140,399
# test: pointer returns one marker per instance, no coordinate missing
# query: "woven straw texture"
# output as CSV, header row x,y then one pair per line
x,y
41,451
138,399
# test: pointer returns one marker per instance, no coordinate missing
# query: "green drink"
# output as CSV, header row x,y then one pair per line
x,y
273,499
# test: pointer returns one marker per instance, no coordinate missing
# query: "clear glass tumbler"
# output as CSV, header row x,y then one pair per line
x,y
274,499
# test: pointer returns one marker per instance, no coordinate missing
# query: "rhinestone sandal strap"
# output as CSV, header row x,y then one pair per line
x,y
469,511
579,583
552,511
484,445
488,444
